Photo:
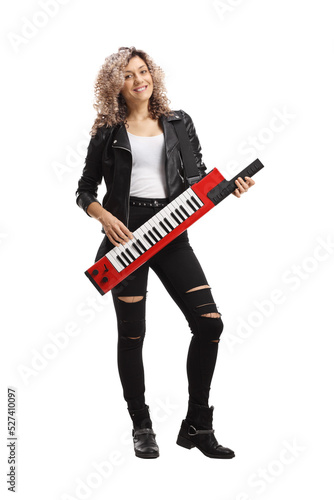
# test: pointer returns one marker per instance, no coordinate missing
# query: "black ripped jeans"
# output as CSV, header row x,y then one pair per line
x,y
179,270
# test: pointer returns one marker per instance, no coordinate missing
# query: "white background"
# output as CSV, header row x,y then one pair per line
x,y
233,67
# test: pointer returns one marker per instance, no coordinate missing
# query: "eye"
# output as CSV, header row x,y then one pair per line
x,y
127,76
144,71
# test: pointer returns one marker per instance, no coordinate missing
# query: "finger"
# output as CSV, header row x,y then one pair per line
x,y
242,186
243,183
126,231
250,181
236,193
122,236
113,241
246,184
114,237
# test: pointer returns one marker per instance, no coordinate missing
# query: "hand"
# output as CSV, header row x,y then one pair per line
x,y
243,186
115,230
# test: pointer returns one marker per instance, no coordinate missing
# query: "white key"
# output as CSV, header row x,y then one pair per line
x,y
189,210
142,239
118,250
151,225
158,228
161,229
174,207
199,201
148,228
177,206
169,217
117,265
114,253
132,249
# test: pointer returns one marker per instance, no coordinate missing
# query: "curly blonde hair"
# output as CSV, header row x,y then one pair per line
x,y
110,104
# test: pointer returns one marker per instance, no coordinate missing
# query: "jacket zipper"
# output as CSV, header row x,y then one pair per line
x,y
166,162
166,176
182,168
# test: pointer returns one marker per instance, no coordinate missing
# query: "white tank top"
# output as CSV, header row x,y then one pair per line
x,y
148,179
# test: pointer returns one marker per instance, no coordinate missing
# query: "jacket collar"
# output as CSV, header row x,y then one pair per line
x,y
171,139
176,115
121,139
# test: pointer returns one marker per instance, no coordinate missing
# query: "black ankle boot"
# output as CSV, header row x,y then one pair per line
x,y
196,431
144,442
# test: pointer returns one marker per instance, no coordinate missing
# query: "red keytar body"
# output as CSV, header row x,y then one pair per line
x,y
103,274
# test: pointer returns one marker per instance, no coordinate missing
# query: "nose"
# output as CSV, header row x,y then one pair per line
x,y
137,79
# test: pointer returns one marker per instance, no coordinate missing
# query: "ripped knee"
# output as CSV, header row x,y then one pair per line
x,y
136,298
214,315
131,318
201,301
130,343
205,308
211,315
202,287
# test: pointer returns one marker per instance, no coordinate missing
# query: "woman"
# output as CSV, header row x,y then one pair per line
x,y
135,149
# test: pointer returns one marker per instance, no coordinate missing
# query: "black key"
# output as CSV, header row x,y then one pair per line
x,y
196,202
184,211
148,239
191,206
152,236
121,261
141,246
157,232
179,214
164,227
175,218
137,248
168,224
131,255
125,257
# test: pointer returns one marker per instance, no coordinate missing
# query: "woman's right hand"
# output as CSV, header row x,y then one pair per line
x,y
115,230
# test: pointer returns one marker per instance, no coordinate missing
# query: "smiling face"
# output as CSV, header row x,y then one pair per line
x,y
138,85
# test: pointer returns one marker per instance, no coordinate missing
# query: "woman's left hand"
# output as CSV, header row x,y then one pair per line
x,y
243,186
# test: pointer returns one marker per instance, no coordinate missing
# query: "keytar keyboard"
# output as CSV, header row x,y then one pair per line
x,y
163,227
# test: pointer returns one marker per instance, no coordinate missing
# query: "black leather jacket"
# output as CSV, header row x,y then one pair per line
x,y
109,157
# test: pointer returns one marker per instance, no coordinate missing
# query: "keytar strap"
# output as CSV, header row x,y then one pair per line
x,y
187,152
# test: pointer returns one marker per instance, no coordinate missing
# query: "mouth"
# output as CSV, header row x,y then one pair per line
x,y
140,89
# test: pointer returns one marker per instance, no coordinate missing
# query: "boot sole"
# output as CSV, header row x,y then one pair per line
x,y
146,455
185,443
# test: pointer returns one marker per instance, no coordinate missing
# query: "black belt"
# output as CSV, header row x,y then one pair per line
x,y
148,202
